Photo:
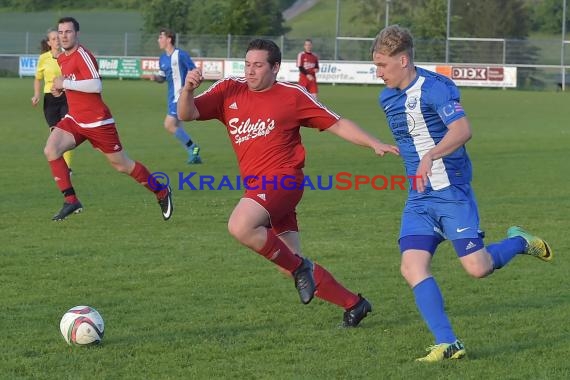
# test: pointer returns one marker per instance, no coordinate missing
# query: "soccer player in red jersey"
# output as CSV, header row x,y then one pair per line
x,y
88,118
263,119
308,64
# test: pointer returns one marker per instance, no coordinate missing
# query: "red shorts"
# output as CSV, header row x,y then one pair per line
x,y
310,85
105,138
279,195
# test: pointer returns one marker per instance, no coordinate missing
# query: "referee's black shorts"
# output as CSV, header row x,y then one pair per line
x,y
55,108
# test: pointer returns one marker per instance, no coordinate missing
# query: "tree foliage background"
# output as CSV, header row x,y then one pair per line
x,y
237,17
470,18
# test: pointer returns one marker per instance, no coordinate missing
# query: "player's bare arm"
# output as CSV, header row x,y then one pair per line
x,y
185,108
37,89
350,131
459,133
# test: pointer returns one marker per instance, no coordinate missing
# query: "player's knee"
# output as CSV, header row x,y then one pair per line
x,y
414,274
478,270
407,271
404,270
244,234
236,230
171,128
478,264
50,152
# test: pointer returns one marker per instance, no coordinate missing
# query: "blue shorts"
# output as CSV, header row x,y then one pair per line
x,y
436,215
172,110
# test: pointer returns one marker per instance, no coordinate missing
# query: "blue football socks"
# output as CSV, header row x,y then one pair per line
x,y
430,304
504,251
182,136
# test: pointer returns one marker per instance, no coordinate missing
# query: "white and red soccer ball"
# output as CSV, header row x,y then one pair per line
x,y
82,326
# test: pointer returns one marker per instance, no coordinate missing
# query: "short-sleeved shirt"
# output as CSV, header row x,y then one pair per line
x,y
87,109
418,116
174,68
264,127
308,61
47,70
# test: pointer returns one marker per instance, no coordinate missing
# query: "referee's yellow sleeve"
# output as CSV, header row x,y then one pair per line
x,y
40,67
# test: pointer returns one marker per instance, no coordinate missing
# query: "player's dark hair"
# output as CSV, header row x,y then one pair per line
x,y
273,51
169,34
69,19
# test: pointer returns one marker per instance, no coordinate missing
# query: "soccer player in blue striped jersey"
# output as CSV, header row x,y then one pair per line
x,y
174,65
424,113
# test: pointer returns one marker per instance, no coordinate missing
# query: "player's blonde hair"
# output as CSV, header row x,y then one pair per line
x,y
394,40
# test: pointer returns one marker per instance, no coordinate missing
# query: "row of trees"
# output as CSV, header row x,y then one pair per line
x,y
471,18
219,17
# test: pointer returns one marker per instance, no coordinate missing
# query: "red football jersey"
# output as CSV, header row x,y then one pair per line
x,y
309,61
87,109
264,127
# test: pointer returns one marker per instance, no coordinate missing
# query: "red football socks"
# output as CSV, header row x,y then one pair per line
x,y
328,289
331,290
60,172
275,250
141,174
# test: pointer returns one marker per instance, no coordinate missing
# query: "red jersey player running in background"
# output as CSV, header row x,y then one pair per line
x,y
88,118
263,119
308,64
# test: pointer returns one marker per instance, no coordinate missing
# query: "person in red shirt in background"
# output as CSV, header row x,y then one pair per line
x,y
88,118
263,119
308,64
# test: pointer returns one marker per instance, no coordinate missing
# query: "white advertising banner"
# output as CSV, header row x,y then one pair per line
x,y
365,73
328,72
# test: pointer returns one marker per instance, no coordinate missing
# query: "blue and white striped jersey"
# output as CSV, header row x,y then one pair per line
x,y
418,117
174,68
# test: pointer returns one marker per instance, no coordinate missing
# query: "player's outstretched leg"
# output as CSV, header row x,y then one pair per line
x,y
535,246
443,351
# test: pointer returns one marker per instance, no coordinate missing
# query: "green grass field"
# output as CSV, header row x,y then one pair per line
x,y
182,299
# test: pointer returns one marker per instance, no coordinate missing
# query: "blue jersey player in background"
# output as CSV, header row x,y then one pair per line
x,y
174,64
424,113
